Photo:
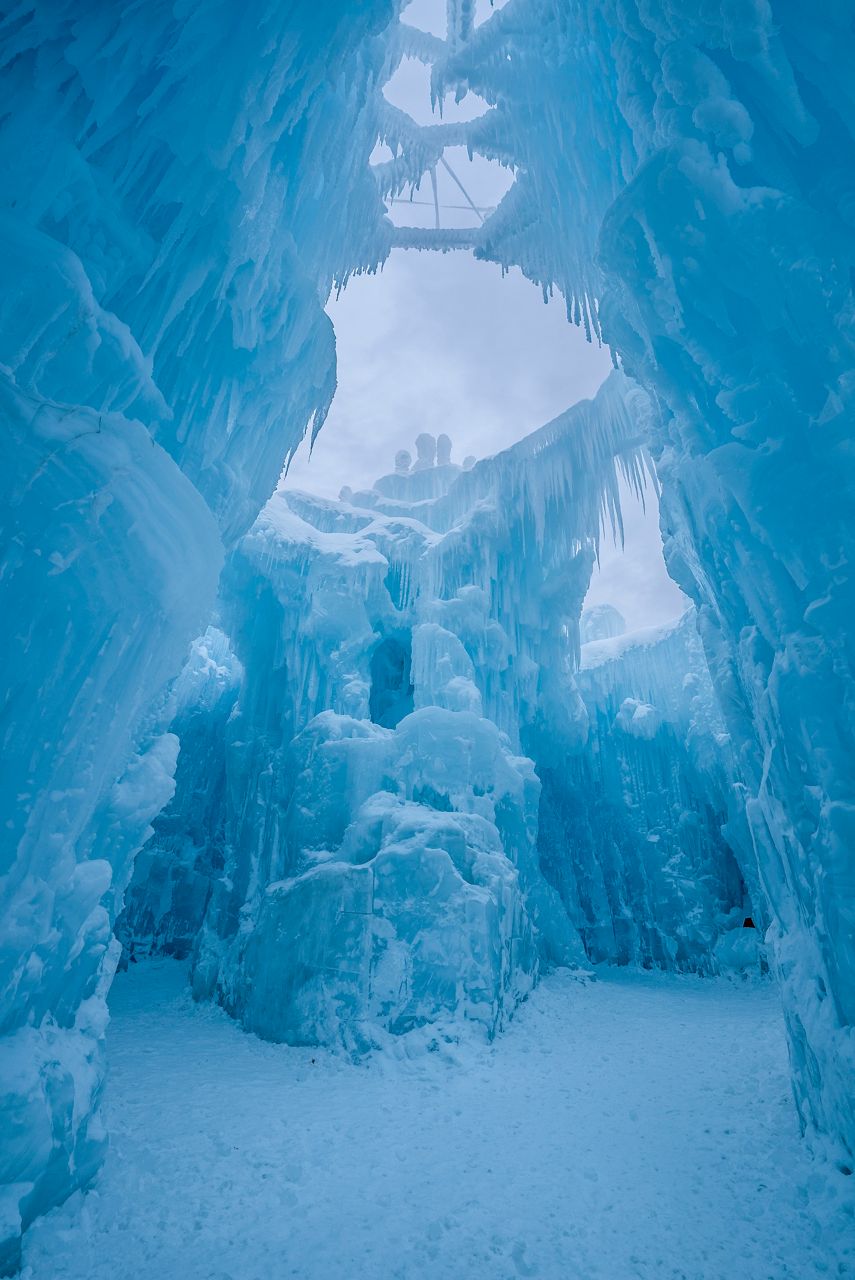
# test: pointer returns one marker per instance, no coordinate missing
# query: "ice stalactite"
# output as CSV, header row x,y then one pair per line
x,y
203,239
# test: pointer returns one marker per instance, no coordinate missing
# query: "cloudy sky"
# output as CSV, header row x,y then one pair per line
x,y
441,342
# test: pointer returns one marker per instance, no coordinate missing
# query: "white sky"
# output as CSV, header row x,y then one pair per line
x,y
441,342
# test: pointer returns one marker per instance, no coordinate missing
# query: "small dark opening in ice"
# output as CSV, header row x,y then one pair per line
x,y
391,695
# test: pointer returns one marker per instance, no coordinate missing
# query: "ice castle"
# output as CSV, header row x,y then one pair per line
x,y
366,763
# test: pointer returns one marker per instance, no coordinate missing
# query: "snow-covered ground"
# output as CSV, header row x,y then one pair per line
x,y
635,1126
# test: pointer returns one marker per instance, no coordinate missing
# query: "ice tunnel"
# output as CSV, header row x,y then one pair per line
x,y
364,764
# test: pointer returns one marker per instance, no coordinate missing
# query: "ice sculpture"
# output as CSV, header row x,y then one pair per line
x,y
425,452
443,450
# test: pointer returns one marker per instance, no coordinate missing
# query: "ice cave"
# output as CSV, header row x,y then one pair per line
x,y
428,712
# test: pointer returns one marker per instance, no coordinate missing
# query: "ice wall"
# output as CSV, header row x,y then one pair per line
x,y
685,178
174,169
102,531
168,894
643,829
180,188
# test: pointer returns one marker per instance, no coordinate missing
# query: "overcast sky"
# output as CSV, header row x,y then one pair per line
x,y
441,342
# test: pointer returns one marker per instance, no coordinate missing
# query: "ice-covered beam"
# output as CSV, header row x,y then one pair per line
x,y
443,239
414,43
416,148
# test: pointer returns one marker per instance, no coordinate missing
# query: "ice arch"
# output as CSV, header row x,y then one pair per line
x,y
164,346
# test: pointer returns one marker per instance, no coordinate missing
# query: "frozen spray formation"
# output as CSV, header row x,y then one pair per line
x,y
181,188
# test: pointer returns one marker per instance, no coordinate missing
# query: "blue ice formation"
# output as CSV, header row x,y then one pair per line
x,y
692,199
166,249
181,189
601,622
173,872
644,831
395,655
412,758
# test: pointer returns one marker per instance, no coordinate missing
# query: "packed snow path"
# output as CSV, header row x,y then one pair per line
x,y
636,1126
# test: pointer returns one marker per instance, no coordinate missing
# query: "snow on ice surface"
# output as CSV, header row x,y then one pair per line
x,y
633,1128
609,648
